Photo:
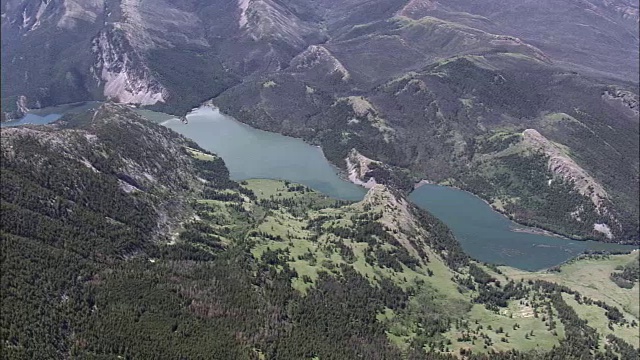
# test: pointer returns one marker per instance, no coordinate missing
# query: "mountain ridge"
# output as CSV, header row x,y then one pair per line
x,y
150,250
439,78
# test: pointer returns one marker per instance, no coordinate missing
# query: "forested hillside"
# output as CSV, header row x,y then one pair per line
x,y
122,239
425,86
462,122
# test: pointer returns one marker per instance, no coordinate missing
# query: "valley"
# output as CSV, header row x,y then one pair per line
x,y
483,233
252,153
155,241
449,91
320,179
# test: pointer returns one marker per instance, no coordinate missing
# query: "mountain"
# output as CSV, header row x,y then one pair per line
x,y
532,105
123,239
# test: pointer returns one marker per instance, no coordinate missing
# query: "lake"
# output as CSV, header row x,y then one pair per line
x,y
488,236
250,153
51,114
485,234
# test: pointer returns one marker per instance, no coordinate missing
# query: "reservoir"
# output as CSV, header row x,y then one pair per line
x,y
33,119
51,114
489,236
250,153
484,234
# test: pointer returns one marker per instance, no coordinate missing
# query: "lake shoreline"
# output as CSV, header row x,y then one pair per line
x,y
539,231
49,114
528,229
257,153
517,226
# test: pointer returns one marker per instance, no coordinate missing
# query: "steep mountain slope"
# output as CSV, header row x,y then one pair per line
x,y
117,49
553,26
415,84
121,238
440,120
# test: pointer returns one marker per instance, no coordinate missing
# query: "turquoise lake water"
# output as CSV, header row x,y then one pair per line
x,y
51,114
490,237
484,234
250,153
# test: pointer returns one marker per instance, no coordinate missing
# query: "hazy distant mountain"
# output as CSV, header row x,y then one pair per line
x,y
64,50
445,89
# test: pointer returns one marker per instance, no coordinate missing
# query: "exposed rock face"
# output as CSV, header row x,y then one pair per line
x,y
627,99
604,229
269,20
125,78
122,46
364,109
159,24
358,167
562,165
31,21
412,228
21,108
21,104
74,11
63,14
243,5
360,105
514,41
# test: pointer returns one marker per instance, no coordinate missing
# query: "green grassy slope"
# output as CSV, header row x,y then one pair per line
x,y
591,275
433,83
131,258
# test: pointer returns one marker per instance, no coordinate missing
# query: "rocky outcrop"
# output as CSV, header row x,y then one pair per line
x,y
358,167
626,99
29,15
531,50
33,15
270,20
416,9
604,229
412,228
243,5
75,11
21,105
119,69
397,217
21,108
360,105
159,24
